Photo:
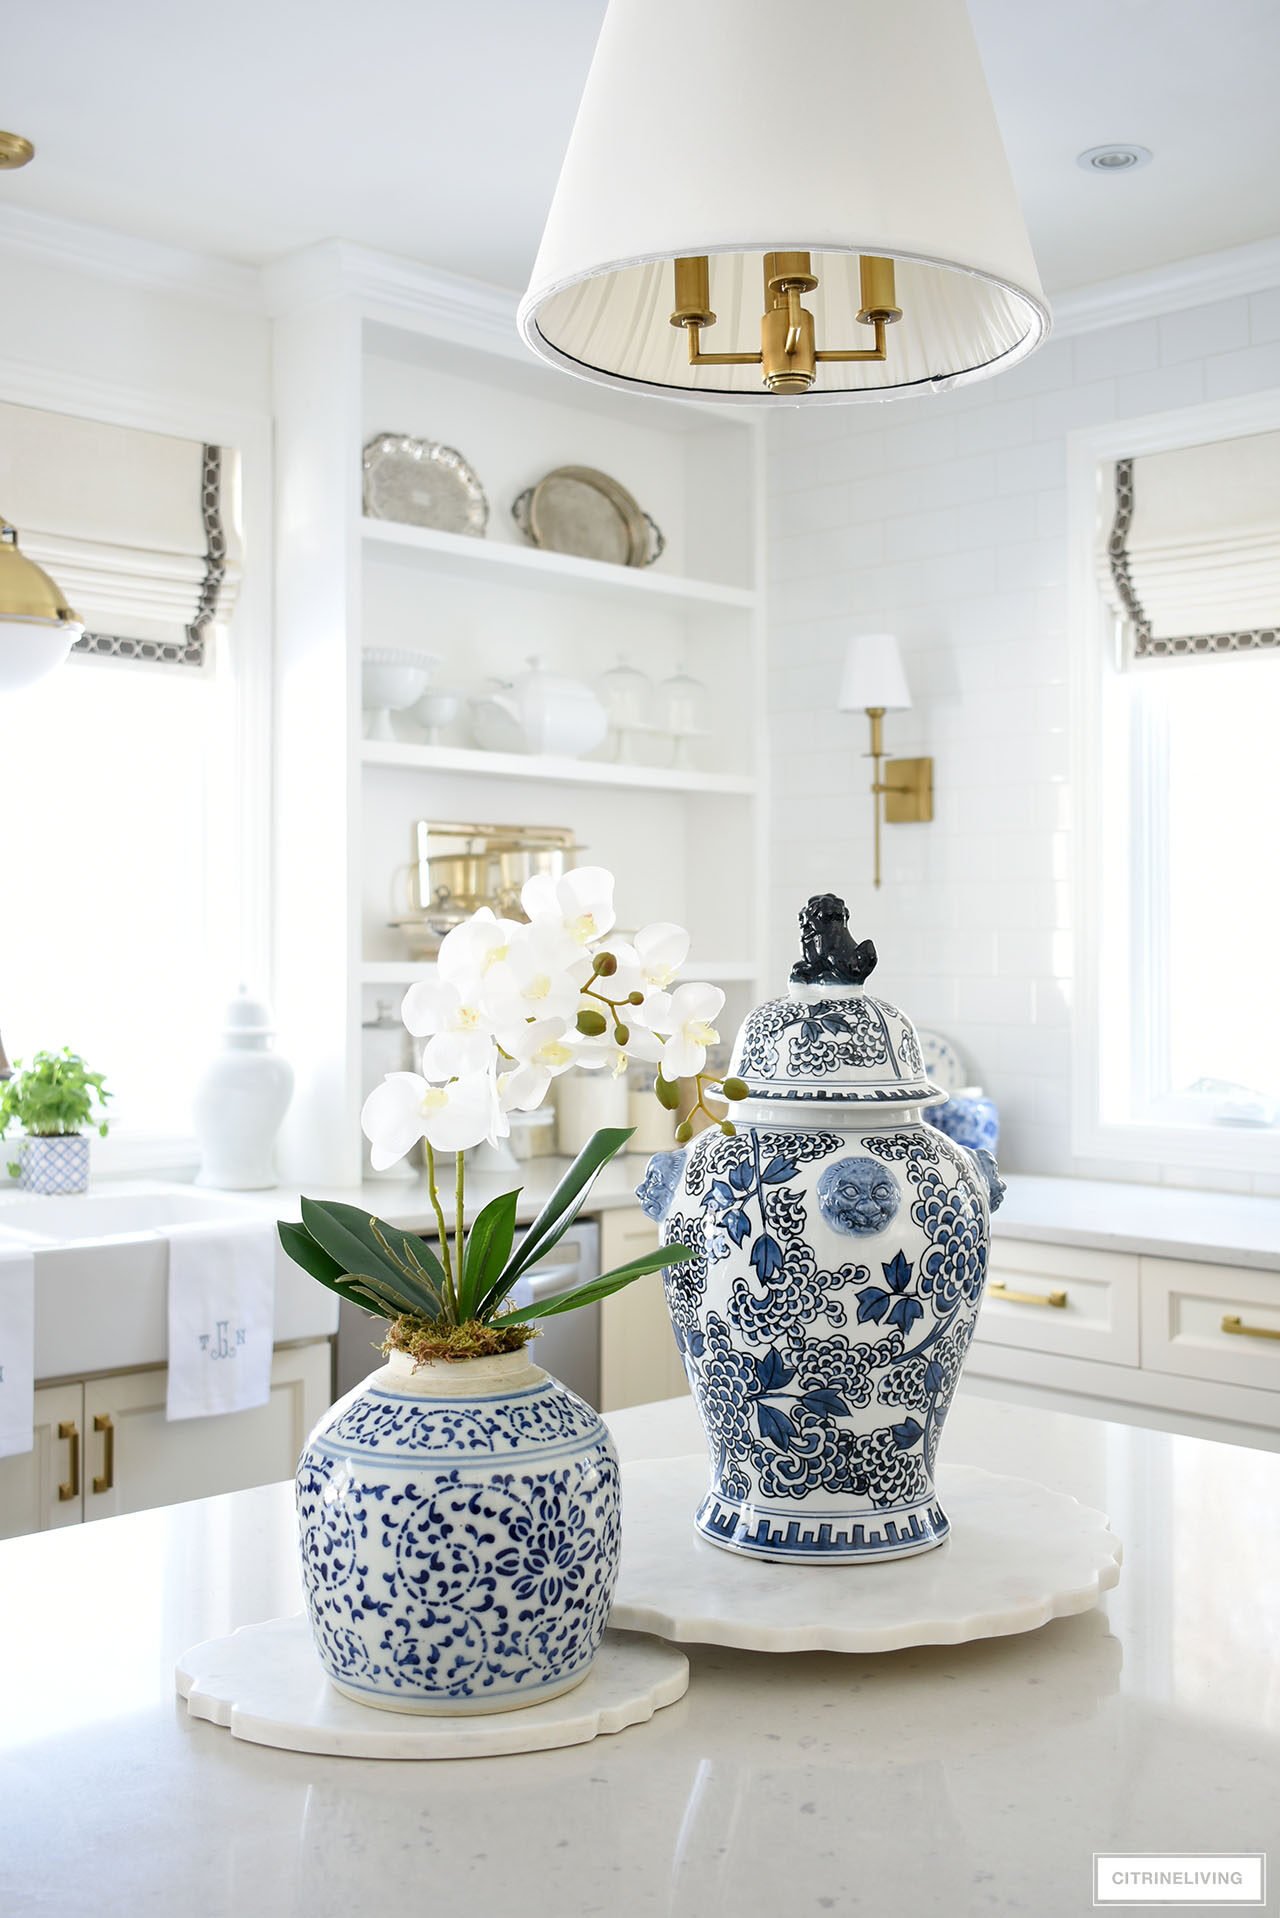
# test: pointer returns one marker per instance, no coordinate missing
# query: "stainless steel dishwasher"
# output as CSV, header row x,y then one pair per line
x,y
569,1344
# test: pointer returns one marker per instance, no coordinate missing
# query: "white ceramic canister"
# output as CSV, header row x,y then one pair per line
x,y
241,1101
460,1529
840,1256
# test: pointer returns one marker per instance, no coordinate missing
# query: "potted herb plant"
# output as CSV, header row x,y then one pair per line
x,y
53,1099
459,1510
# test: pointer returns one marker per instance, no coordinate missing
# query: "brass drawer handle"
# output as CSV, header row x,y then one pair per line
x,y
70,1488
1232,1322
998,1291
102,1423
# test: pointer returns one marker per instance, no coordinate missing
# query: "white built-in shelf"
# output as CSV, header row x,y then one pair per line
x,y
403,972
466,557
549,770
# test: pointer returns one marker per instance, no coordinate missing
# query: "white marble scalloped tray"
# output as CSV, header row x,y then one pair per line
x,y
266,1685
1018,1555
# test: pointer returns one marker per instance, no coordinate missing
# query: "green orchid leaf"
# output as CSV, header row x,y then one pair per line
x,y
347,1235
596,1289
315,1261
488,1249
395,1243
559,1212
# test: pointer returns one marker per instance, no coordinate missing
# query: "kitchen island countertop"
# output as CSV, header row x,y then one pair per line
x,y
961,1780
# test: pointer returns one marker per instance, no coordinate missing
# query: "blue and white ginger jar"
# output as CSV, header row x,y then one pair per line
x,y
459,1527
840,1256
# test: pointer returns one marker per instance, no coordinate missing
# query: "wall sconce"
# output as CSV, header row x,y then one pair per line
x,y
873,682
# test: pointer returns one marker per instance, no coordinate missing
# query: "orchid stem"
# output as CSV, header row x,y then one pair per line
x,y
445,1259
460,1193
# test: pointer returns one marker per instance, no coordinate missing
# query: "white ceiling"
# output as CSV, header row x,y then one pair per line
x,y
434,128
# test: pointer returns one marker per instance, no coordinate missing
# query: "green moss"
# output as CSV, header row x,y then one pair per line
x,y
425,1339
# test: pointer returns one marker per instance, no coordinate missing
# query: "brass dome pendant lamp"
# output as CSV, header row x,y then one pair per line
x,y
37,627
746,223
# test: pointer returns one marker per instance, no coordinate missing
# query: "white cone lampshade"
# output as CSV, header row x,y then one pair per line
x,y
736,128
873,675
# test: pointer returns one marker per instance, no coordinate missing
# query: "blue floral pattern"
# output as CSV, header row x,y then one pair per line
x,y
459,1554
822,1385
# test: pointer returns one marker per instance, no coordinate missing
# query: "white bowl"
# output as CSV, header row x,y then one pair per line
x,y
391,679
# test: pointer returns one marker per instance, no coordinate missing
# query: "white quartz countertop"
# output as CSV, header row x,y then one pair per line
x,y
961,1780
1169,1222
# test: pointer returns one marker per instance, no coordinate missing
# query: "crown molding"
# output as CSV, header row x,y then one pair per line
x,y
108,255
445,305
1168,289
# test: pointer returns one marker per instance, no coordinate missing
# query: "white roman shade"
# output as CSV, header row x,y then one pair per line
x,y
139,529
1191,559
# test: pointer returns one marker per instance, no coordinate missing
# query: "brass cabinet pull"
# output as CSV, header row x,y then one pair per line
x,y
70,1488
998,1291
102,1423
1232,1322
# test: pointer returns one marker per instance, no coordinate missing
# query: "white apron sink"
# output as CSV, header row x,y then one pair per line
x,y
102,1273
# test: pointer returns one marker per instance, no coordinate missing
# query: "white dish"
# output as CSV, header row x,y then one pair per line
x,y
942,1061
392,678
1017,1555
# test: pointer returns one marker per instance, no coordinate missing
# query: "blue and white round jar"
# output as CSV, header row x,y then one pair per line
x,y
460,1528
840,1256
970,1118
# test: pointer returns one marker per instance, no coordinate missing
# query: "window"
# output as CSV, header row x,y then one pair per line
x,y
1177,722
120,894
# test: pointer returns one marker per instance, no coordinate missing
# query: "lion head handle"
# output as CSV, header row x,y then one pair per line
x,y
829,954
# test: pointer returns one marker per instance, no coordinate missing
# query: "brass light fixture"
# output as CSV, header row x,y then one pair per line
x,y
789,356
873,682
37,627
15,151
824,187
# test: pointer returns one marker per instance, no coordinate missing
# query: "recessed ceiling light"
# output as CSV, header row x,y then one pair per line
x,y
1113,159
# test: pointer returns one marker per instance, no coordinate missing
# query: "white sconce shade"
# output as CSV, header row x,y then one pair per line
x,y
873,675
732,129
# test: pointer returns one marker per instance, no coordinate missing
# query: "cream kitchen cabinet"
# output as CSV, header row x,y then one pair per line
x,y
639,1358
103,1445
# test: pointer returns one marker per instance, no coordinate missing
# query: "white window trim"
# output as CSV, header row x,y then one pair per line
x,y
1091,633
196,417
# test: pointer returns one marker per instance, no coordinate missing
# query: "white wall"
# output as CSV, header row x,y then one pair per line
x,y
943,519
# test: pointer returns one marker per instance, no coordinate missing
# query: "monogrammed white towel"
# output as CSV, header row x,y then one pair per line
x,y
221,1312
17,1350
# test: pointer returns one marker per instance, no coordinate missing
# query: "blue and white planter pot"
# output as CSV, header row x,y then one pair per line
x,y
840,1257
970,1121
53,1165
459,1527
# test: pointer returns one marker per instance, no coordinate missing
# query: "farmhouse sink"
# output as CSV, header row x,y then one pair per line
x,y
102,1272
112,1215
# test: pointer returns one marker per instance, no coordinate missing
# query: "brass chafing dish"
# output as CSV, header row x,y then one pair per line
x,y
458,867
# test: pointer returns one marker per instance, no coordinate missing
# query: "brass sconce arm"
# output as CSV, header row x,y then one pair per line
x,y
789,355
907,799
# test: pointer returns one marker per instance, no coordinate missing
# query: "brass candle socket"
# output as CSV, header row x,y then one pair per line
x,y
789,355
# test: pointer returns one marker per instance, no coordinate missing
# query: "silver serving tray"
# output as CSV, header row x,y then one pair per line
x,y
578,510
422,483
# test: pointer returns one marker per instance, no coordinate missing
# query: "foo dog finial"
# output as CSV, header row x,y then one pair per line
x,y
829,954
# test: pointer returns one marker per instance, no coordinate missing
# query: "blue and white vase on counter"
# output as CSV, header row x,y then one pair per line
x,y
970,1118
840,1257
459,1526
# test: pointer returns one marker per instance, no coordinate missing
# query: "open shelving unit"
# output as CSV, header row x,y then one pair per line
x,y
366,345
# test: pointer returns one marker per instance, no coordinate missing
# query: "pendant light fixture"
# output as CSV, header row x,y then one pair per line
x,y
808,203
37,627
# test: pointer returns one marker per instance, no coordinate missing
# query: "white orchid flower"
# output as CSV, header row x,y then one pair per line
x,y
604,1053
407,1107
450,1016
480,942
540,1052
581,902
538,978
686,1027
661,950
